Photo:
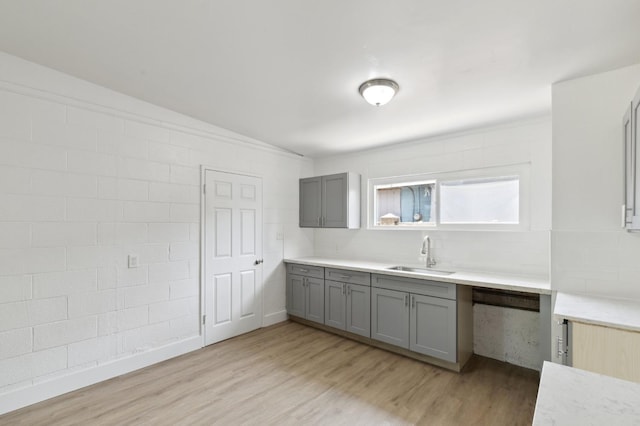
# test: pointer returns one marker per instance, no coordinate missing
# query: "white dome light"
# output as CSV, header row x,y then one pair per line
x,y
378,91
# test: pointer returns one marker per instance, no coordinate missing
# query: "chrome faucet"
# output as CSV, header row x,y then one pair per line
x,y
426,250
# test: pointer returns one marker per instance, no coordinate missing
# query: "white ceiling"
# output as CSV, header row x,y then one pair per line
x,y
287,71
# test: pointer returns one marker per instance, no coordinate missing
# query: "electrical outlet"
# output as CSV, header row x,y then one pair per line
x,y
133,261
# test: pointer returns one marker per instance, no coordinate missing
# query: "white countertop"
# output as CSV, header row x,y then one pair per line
x,y
617,313
570,396
477,279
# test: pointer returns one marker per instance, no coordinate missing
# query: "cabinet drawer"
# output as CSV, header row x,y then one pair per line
x,y
346,276
306,271
416,286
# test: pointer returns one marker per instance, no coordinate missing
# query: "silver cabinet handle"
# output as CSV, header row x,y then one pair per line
x,y
343,288
406,300
348,290
413,301
304,270
345,277
559,347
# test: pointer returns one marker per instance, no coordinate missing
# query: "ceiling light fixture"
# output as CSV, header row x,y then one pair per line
x,y
378,91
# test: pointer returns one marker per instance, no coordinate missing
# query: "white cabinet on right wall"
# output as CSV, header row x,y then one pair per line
x,y
631,195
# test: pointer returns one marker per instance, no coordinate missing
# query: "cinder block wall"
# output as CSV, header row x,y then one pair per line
x,y
89,176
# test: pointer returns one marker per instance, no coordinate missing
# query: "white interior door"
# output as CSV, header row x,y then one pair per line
x,y
233,255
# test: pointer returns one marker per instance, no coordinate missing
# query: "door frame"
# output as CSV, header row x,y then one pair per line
x,y
203,215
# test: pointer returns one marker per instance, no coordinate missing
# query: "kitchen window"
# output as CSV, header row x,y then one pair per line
x,y
482,199
494,200
405,203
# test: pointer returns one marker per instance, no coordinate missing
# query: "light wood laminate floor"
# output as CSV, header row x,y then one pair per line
x,y
293,374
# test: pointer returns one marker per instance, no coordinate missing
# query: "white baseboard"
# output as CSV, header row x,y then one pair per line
x,y
41,391
274,318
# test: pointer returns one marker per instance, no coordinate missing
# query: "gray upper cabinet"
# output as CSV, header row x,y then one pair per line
x,y
335,197
310,202
631,160
331,201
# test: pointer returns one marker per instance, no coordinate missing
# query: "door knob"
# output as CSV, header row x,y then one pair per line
x,y
257,262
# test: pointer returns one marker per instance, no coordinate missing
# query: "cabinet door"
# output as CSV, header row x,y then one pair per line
x,y
605,350
296,295
358,311
433,328
334,304
635,129
335,208
310,202
314,300
629,168
390,316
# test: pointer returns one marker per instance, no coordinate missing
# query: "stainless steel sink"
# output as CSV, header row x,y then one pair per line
x,y
424,271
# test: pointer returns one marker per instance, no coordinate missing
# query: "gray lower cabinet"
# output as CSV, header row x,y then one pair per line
x,y
314,300
419,316
305,297
390,316
418,322
432,328
359,309
347,307
335,308
296,295
305,292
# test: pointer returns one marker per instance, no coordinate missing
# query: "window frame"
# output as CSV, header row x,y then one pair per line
x,y
520,170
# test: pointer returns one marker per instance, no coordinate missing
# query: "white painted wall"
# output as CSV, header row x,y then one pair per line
x,y
88,176
591,253
524,252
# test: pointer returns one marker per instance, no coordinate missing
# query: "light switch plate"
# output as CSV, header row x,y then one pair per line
x,y
133,261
